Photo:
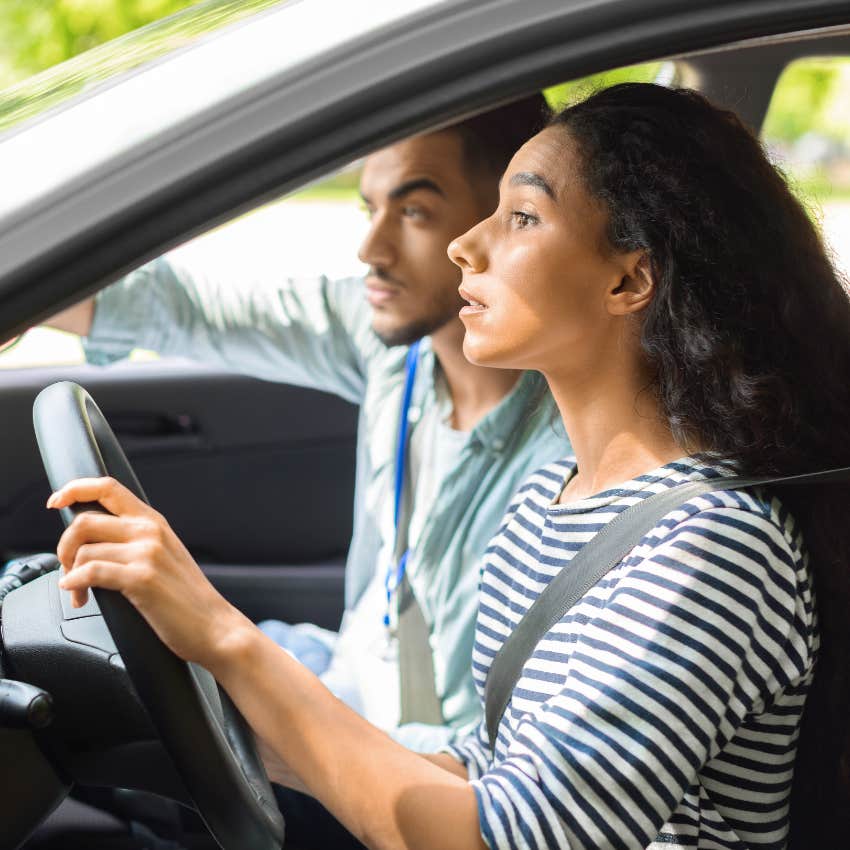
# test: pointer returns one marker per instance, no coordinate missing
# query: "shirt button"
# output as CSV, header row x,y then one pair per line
x,y
498,445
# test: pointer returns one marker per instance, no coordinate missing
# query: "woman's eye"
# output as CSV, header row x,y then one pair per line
x,y
522,219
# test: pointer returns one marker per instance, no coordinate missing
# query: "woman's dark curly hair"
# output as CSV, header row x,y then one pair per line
x,y
748,339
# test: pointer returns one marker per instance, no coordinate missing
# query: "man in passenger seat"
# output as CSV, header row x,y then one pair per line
x,y
429,493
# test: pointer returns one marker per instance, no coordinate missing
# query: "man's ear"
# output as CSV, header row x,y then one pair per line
x,y
636,287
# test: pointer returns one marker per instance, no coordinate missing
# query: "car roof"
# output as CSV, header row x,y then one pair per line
x,y
131,168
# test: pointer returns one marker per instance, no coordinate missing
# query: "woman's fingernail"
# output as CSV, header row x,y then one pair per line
x,y
52,500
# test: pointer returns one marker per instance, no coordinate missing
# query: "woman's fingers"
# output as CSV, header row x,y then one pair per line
x,y
115,497
115,553
129,524
133,580
91,527
96,573
134,551
95,545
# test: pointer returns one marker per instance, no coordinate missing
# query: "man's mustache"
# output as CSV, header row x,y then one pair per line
x,y
380,274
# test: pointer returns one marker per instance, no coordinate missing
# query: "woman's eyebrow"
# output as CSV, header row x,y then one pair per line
x,y
529,178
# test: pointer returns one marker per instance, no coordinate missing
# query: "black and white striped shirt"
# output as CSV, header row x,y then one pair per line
x,y
662,711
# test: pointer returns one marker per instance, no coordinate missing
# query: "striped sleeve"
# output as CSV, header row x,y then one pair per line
x,y
473,752
700,629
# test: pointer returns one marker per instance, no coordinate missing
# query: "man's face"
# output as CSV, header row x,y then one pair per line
x,y
420,196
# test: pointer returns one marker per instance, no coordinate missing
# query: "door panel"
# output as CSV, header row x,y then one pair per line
x,y
256,477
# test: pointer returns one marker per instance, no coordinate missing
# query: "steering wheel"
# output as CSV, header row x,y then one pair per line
x,y
209,742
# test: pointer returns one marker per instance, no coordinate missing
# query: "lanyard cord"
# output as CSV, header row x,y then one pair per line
x,y
395,572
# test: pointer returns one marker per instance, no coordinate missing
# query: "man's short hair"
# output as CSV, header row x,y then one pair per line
x,y
491,138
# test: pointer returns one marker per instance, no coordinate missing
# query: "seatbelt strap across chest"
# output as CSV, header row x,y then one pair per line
x,y
419,702
590,564
418,691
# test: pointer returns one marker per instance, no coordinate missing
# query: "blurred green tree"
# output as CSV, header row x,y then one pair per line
x,y
802,100
35,34
566,93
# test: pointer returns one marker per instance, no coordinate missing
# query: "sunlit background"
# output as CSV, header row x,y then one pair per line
x,y
318,230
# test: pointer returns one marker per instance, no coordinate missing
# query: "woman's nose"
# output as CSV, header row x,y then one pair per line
x,y
465,251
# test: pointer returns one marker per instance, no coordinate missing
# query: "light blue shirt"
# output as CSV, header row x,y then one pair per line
x,y
316,332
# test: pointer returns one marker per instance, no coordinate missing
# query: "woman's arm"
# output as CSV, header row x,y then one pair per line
x,y
278,771
386,795
447,762
283,774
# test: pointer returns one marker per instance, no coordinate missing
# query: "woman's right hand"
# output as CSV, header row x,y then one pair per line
x,y
133,550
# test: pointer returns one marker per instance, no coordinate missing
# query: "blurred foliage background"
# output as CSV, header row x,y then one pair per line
x,y
807,129
36,34
808,124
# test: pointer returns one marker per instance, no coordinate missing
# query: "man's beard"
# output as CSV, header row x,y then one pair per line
x,y
443,306
413,331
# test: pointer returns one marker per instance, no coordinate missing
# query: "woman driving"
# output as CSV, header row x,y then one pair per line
x,y
647,259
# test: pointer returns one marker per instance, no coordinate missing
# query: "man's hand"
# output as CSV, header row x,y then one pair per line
x,y
76,319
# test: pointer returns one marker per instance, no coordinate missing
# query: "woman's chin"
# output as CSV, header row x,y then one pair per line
x,y
482,351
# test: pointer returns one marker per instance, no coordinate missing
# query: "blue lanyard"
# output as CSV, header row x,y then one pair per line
x,y
395,573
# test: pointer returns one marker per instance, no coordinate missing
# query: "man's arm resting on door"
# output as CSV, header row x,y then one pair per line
x,y
76,319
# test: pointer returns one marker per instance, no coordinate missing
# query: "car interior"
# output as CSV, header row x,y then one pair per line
x,y
274,544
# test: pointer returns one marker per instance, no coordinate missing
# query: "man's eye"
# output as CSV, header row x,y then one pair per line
x,y
410,211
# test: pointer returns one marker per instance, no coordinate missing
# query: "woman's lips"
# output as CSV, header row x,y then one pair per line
x,y
472,310
474,307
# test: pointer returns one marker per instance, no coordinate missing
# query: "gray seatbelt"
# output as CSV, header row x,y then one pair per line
x,y
419,700
417,689
596,558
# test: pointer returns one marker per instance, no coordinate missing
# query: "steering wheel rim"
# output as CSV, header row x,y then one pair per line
x,y
209,742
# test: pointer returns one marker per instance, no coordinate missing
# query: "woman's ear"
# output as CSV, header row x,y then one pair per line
x,y
636,286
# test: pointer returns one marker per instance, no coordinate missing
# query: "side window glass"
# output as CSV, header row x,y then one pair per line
x,y
41,347
318,230
315,231
807,134
570,92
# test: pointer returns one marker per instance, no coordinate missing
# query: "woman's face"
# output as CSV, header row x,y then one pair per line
x,y
545,290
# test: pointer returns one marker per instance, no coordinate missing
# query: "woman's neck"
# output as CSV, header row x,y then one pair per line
x,y
616,428
474,390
